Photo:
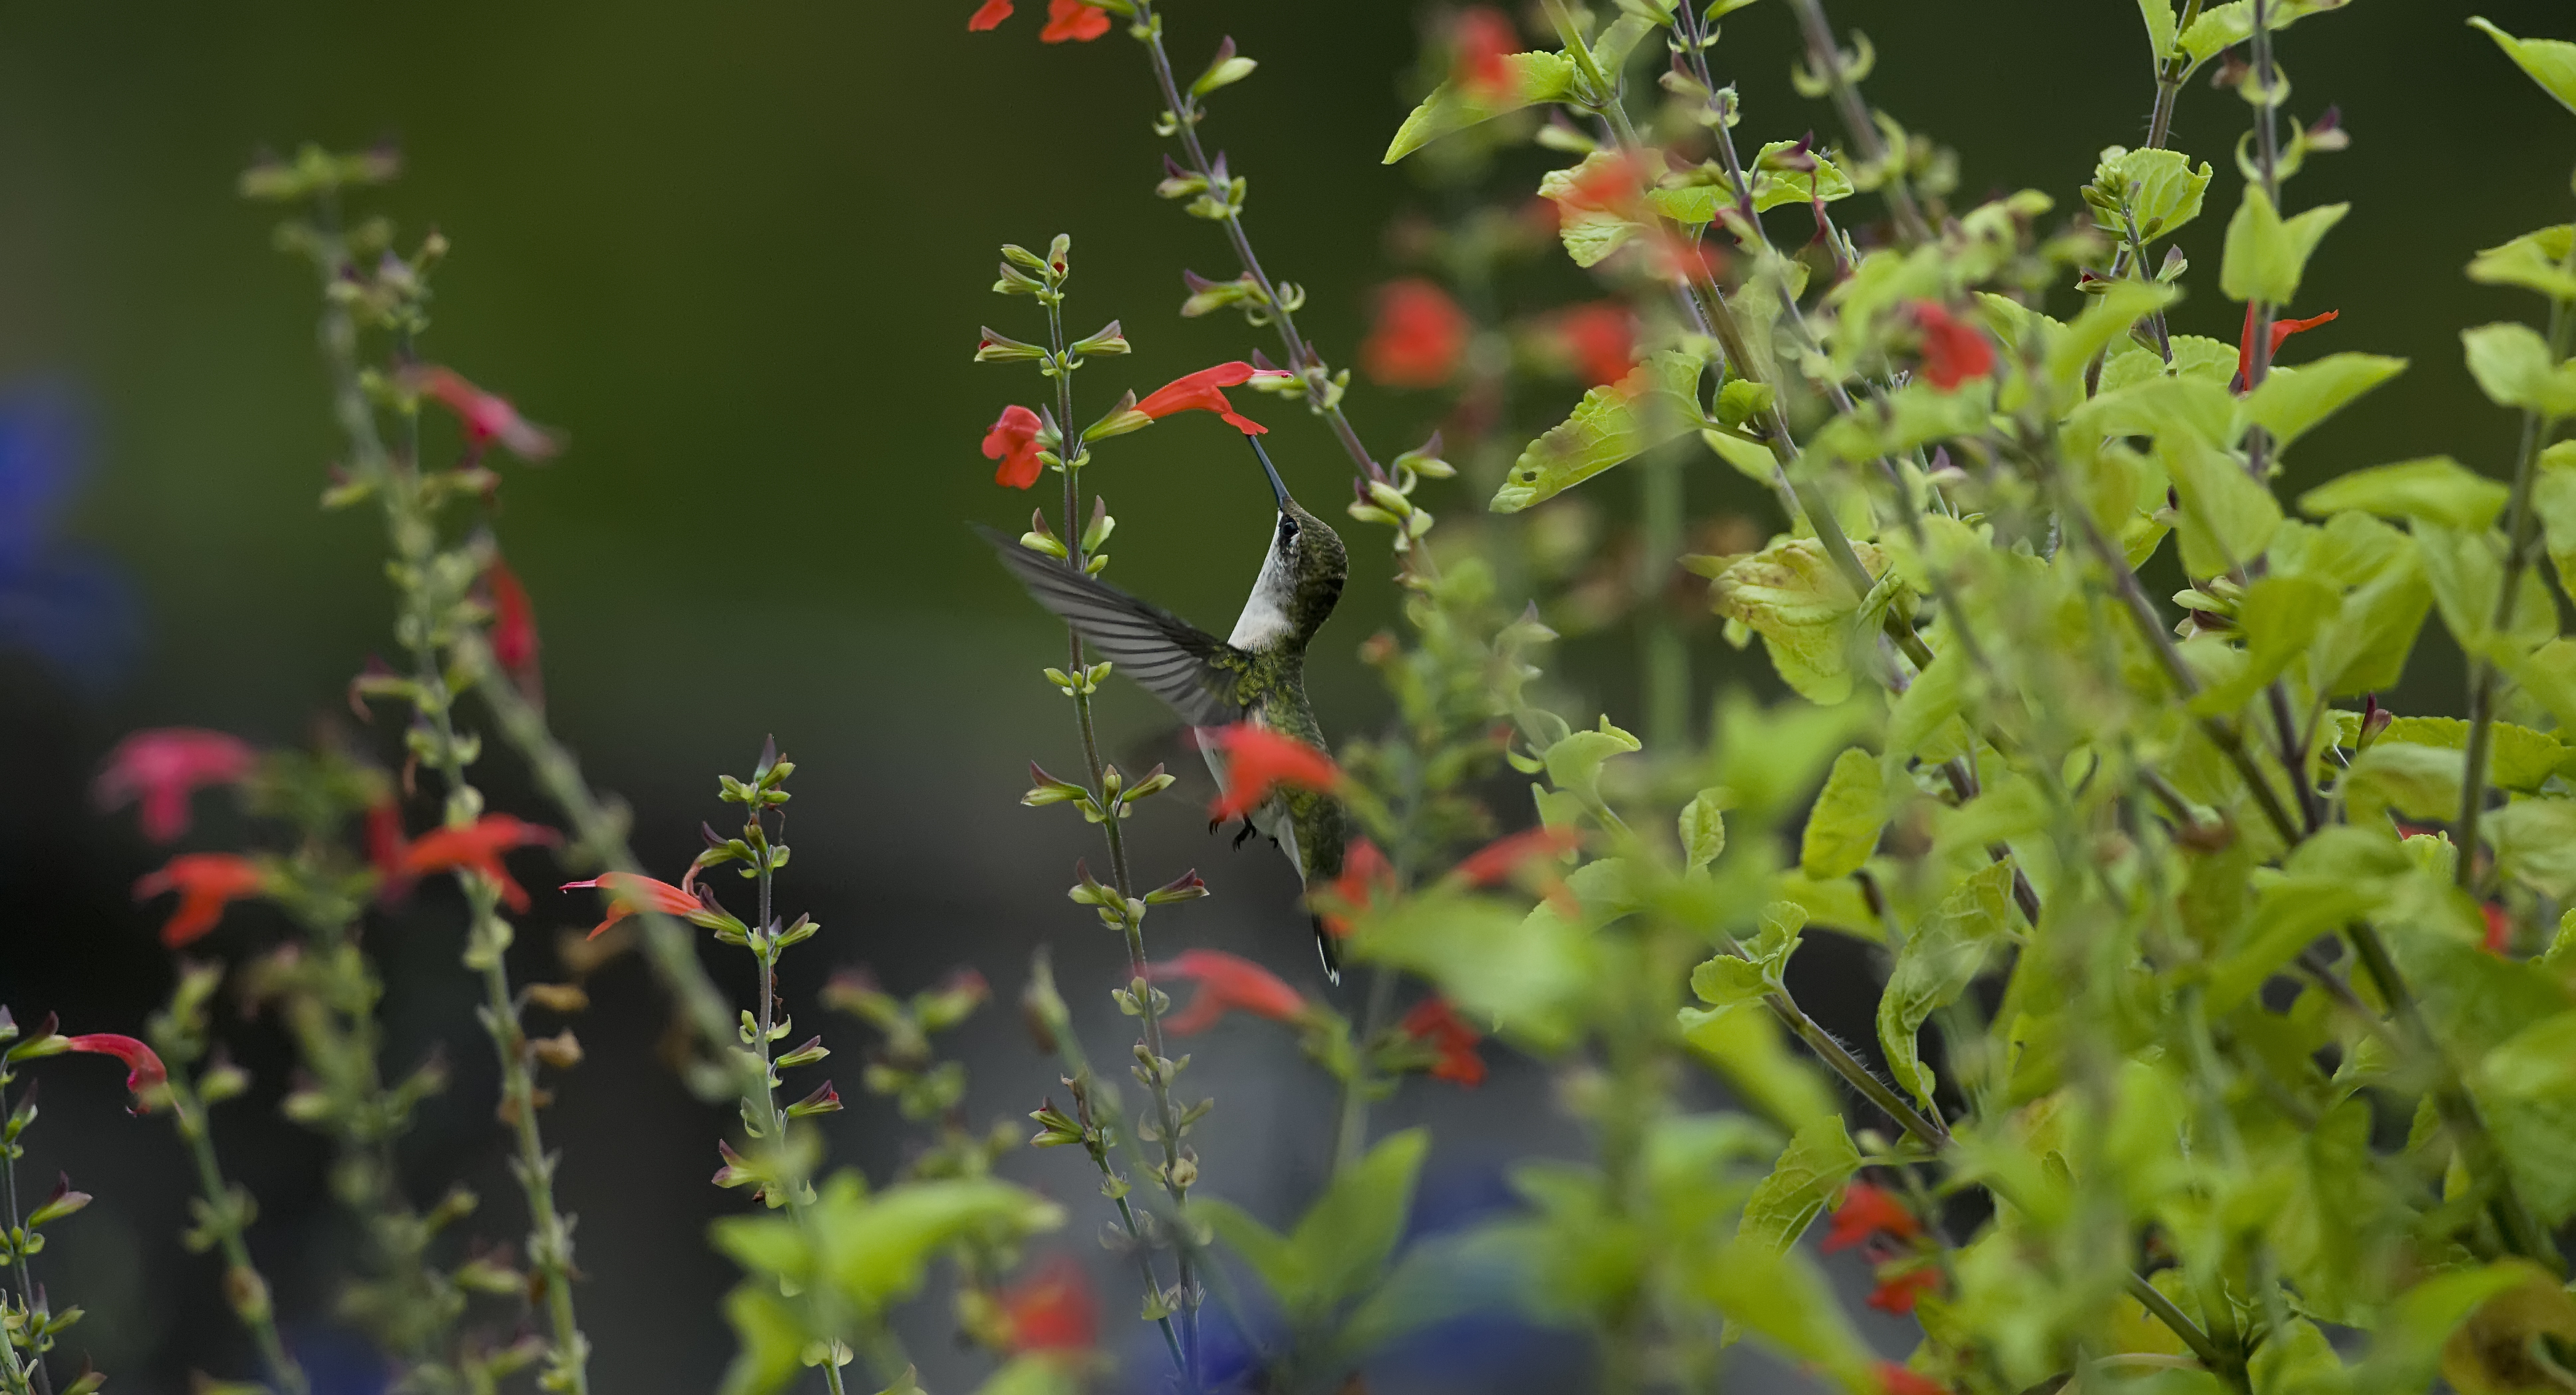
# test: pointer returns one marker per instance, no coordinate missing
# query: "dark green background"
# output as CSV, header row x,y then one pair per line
x,y
739,253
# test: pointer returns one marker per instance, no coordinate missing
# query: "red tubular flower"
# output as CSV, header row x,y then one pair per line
x,y
2499,936
485,416
629,892
514,623
1073,20
1197,392
1052,1309
1365,873
1897,1292
163,767
1482,37
988,15
2281,330
1258,761
1418,338
477,847
1866,1212
205,883
1227,982
1953,351
1013,440
1897,1380
1437,1025
143,1065
385,843
1601,339
1500,859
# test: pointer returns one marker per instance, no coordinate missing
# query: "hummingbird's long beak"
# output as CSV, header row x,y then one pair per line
x,y
1277,486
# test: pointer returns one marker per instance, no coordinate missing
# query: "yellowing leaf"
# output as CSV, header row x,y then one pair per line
x,y
1657,402
1792,595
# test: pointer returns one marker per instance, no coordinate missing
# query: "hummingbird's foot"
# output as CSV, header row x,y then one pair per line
x,y
1243,833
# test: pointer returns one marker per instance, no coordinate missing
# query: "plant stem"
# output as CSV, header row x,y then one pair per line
x,y
1078,1074
2169,79
1828,58
2267,161
42,1382
1350,1136
247,1291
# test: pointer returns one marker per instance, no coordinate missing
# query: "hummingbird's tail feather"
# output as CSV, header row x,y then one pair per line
x,y
1328,951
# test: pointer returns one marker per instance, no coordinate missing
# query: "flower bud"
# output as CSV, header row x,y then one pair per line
x,y
823,1101
1107,339
995,347
1224,70
561,1051
62,1203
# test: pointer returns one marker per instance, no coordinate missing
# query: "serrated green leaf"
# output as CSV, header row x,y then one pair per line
x,y
2224,26
1743,1044
2436,488
2266,255
2406,1348
2163,28
1657,402
1944,955
1703,828
1774,186
1590,228
2413,782
1842,829
2514,367
2535,841
2466,571
2518,758
2163,190
1455,105
1818,1161
2526,1088
2550,62
2106,317
2290,401
2278,618
1791,594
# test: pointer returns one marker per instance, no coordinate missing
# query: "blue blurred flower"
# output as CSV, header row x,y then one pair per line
x,y
63,603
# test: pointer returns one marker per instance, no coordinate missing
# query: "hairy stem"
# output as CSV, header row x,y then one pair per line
x,y
244,1287
1078,1074
2170,73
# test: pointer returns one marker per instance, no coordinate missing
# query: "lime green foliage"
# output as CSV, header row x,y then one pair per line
x,y
1530,78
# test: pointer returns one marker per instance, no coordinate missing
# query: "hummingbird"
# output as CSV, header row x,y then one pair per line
x,y
1256,675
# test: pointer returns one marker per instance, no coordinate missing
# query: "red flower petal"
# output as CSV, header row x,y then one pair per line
x,y
1867,1211
1498,860
2281,330
1227,983
205,883
1052,1309
514,623
143,1065
1897,1292
1258,761
629,892
1198,392
1953,351
1482,38
1419,337
1897,1380
164,766
477,847
988,14
1601,339
485,416
1073,20
1013,440
1435,1023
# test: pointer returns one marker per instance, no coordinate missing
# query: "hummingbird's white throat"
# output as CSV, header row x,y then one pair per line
x,y
1264,621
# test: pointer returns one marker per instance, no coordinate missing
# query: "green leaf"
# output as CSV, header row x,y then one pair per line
x,y
1774,183
1485,1268
1742,1043
1350,1232
1944,955
2466,570
1842,829
2161,188
1280,1263
1792,595
2195,356
2514,367
2279,618
2162,27
1818,1160
1037,1373
2266,256
2224,26
1590,228
2535,261
1750,459
1531,78
2406,1349
2416,782
2551,62
1784,1300
2436,488
2526,1090
771,1335
2553,498
1930,703
2228,517
1522,972
1657,402
2364,648
2106,317
2292,400
2518,758
2535,841
2297,1360
1574,760
1703,828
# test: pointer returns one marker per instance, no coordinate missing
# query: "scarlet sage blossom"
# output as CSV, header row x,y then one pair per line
x,y
477,847
1051,1310
1199,392
2499,936
1897,1291
1227,983
514,624
1483,38
1366,875
485,416
2281,330
1013,440
1867,1212
142,1064
988,15
1259,761
1601,339
385,842
1897,1380
1953,351
163,767
629,892
1437,1025
1418,338
206,882
1503,858
1073,20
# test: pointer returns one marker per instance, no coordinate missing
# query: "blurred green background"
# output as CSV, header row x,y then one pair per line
x,y
739,254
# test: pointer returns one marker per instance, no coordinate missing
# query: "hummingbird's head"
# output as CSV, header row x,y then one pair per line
x,y
1305,553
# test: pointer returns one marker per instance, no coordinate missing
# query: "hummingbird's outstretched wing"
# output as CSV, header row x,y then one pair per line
x,y
1188,668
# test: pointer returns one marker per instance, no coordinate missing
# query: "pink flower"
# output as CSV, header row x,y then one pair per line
x,y
1953,351
163,767
485,416
1198,392
1418,338
1074,20
477,847
1227,983
1258,761
629,892
1013,440
206,882
514,624
988,15
1601,338
1453,1043
1052,1309
143,1065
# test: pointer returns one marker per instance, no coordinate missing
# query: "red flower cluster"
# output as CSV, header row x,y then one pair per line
x,y
1418,338
2281,330
477,847
1437,1025
1601,338
1052,1309
1953,350
1481,38
1227,983
1066,20
629,892
162,767
206,882
143,1065
485,416
1258,761
1013,440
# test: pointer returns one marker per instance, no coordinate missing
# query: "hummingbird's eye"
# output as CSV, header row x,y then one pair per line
x,y
1287,529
